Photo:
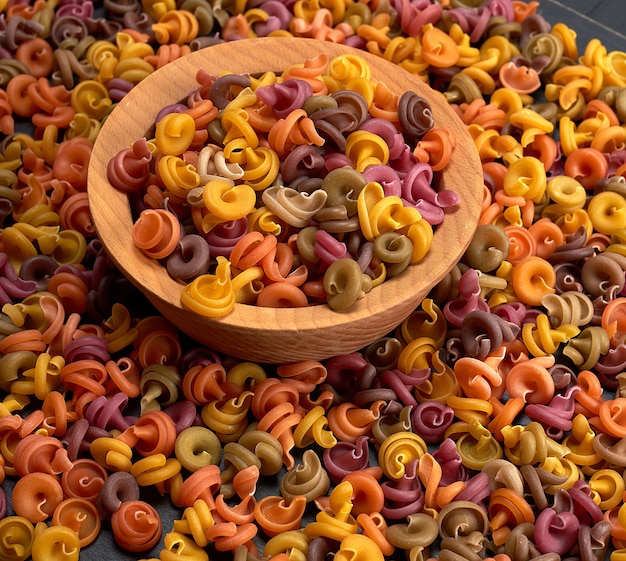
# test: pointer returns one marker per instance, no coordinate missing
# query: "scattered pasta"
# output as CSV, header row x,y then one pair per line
x,y
488,425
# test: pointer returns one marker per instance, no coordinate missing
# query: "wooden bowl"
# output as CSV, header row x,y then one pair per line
x,y
270,335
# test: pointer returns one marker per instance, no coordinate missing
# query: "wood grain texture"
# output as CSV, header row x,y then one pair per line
x,y
269,335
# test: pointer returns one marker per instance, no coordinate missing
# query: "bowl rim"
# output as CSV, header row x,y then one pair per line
x,y
125,125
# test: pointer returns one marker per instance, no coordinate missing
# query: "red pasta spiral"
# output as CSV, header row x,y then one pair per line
x,y
202,384
129,170
84,480
136,526
38,453
156,434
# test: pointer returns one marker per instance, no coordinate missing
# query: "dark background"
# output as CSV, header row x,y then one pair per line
x,y
604,19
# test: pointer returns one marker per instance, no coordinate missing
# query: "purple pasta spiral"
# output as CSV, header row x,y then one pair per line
x,y
415,115
81,10
484,332
556,416
418,184
303,161
103,29
285,97
332,123
363,255
472,21
352,102
220,90
556,532
477,489
328,248
223,237
573,250
6,207
531,26
334,160
112,287
563,377
431,420
279,17
345,457
321,549
106,413
11,286
413,16
140,22
118,88
610,365
402,383
101,263
403,160
89,347
116,9
342,371
582,504
469,299
417,191
616,159
454,348
67,27
119,487
199,356
404,496
38,269
129,170
512,312
18,30
567,278
190,259
502,8
388,178
168,109
4,503
79,437
594,542
184,414
365,398
452,468
84,276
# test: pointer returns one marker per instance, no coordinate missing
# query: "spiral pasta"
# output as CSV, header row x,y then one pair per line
x,y
510,372
284,118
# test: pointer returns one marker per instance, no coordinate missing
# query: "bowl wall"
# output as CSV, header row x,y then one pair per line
x,y
269,335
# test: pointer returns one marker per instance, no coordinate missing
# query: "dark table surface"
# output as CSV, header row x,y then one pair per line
x,y
603,19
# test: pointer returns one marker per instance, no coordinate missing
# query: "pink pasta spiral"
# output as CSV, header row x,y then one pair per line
x,y
403,496
285,97
346,457
129,170
468,301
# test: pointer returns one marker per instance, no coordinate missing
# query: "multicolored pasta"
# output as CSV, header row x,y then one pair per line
x,y
282,112
510,372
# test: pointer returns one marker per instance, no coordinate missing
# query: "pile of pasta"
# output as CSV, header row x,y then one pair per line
x,y
309,187
490,424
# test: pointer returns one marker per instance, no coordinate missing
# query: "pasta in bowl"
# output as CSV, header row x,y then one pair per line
x,y
271,333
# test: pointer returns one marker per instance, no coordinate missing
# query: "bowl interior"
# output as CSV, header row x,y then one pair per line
x,y
278,335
